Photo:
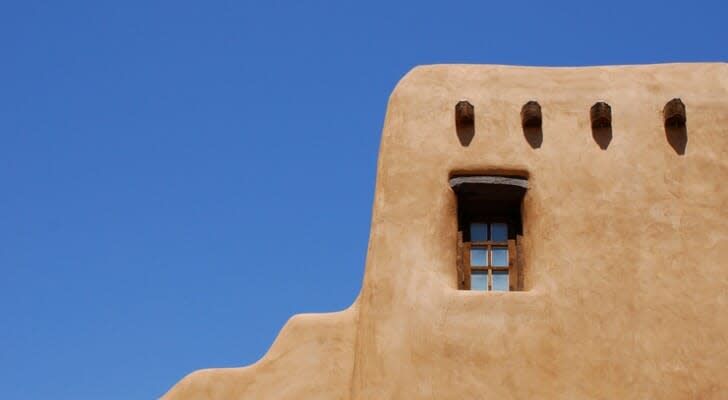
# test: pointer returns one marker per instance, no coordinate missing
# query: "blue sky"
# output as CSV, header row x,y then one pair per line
x,y
178,178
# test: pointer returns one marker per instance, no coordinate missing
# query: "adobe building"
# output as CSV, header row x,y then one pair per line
x,y
537,233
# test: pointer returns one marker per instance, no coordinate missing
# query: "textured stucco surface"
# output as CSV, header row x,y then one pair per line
x,y
625,251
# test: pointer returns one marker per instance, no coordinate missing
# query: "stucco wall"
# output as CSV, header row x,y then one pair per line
x,y
625,251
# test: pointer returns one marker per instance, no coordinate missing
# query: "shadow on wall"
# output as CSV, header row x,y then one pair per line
x,y
533,135
677,136
465,134
603,136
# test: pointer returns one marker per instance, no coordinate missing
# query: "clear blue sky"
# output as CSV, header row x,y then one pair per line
x,y
178,178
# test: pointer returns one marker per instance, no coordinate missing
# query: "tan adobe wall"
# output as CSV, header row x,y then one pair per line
x,y
625,251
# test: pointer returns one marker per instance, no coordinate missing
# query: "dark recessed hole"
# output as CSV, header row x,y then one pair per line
x,y
677,137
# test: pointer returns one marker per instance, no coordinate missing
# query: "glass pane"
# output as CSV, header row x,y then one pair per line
x,y
479,281
499,232
478,232
479,256
500,257
500,281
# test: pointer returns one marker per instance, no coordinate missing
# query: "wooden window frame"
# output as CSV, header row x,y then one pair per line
x,y
489,199
466,270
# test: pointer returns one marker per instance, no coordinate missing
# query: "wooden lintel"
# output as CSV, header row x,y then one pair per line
x,y
531,114
674,113
464,114
601,115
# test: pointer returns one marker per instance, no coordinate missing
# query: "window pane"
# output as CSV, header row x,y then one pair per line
x,y
479,256
500,281
478,232
479,281
499,232
500,257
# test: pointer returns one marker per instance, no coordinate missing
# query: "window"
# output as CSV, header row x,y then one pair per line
x,y
489,254
489,228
